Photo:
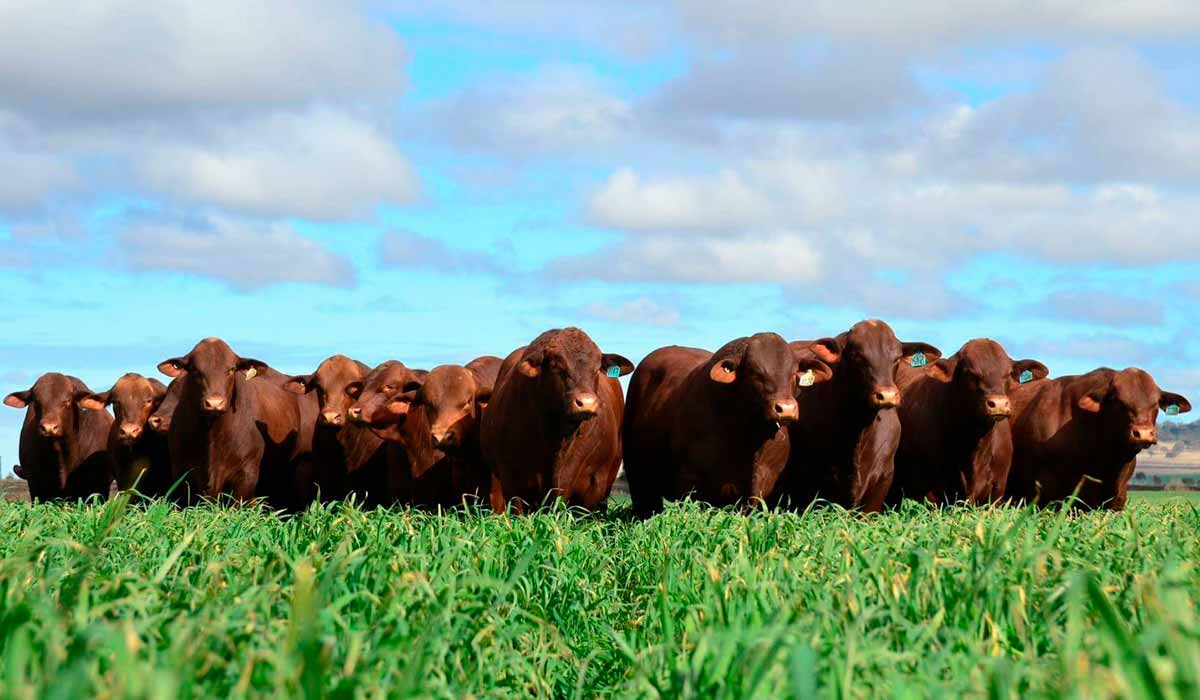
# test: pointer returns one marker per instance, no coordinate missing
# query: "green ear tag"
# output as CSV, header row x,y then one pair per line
x,y
1173,409
918,360
808,378
1026,376
614,371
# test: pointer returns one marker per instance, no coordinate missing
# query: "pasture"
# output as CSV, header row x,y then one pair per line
x,y
117,600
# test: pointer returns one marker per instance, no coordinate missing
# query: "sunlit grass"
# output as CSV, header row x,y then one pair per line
x,y
123,601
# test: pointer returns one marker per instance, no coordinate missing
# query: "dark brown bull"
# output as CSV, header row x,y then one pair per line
x,y
553,426
394,402
63,447
713,425
347,458
956,439
236,430
140,457
844,445
1084,432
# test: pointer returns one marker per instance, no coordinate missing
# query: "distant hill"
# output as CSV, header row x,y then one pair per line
x,y
1175,432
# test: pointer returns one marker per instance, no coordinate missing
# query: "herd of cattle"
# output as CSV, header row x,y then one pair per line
x,y
861,419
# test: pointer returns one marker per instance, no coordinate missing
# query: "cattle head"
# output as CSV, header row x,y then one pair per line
x,y
980,374
566,367
211,372
330,382
51,400
453,398
133,398
1128,402
160,420
762,376
865,358
382,398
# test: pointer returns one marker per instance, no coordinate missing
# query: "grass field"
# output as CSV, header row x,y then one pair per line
x,y
115,601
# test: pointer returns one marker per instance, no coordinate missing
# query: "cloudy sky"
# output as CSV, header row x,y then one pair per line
x,y
436,180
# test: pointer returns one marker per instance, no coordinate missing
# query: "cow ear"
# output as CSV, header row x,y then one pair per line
x,y
18,399
810,371
911,351
614,365
94,402
299,384
1092,403
173,367
723,372
528,368
19,471
1025,371
941,371
1168,399
414,383
827,350
354,389
251,366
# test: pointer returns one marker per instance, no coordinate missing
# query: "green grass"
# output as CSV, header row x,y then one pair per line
x,y
109,601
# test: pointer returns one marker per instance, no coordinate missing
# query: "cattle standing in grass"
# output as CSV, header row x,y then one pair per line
x,y
347,458
430,421
1084,432
63,446
713,425
956,439
552,428
844,445
140,457
236,430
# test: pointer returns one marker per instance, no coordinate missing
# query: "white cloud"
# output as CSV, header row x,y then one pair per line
x,y
412,250
247,255
554,108
116,58
673,204
320,164
641,310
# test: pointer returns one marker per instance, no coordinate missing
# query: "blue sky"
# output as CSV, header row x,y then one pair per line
x,y
433,181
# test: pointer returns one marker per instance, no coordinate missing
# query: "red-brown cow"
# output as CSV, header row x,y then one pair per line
x,y
713,425
63,447
844,445
140,458
235,432
955,438
1084,432
346,458
160,420
394,402
553,426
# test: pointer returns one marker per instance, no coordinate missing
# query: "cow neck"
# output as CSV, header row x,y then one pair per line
x,y
422,455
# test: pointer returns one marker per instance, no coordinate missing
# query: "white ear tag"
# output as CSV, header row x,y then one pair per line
x,y
919,360
808,378
251,373
1026,376
614,371
1173,409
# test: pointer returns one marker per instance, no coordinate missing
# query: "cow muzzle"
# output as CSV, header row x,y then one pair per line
x,y
51,429
582,405
783,410
443,439
128,432
885,397
355,414
332,418
215,404
156,424
997,407
1143,435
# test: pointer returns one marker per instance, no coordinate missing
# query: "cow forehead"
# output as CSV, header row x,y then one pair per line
x,y
132,385
985,354
338,369
387,373
52,386
873,338
213,352
567,343
770,353
1135,386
